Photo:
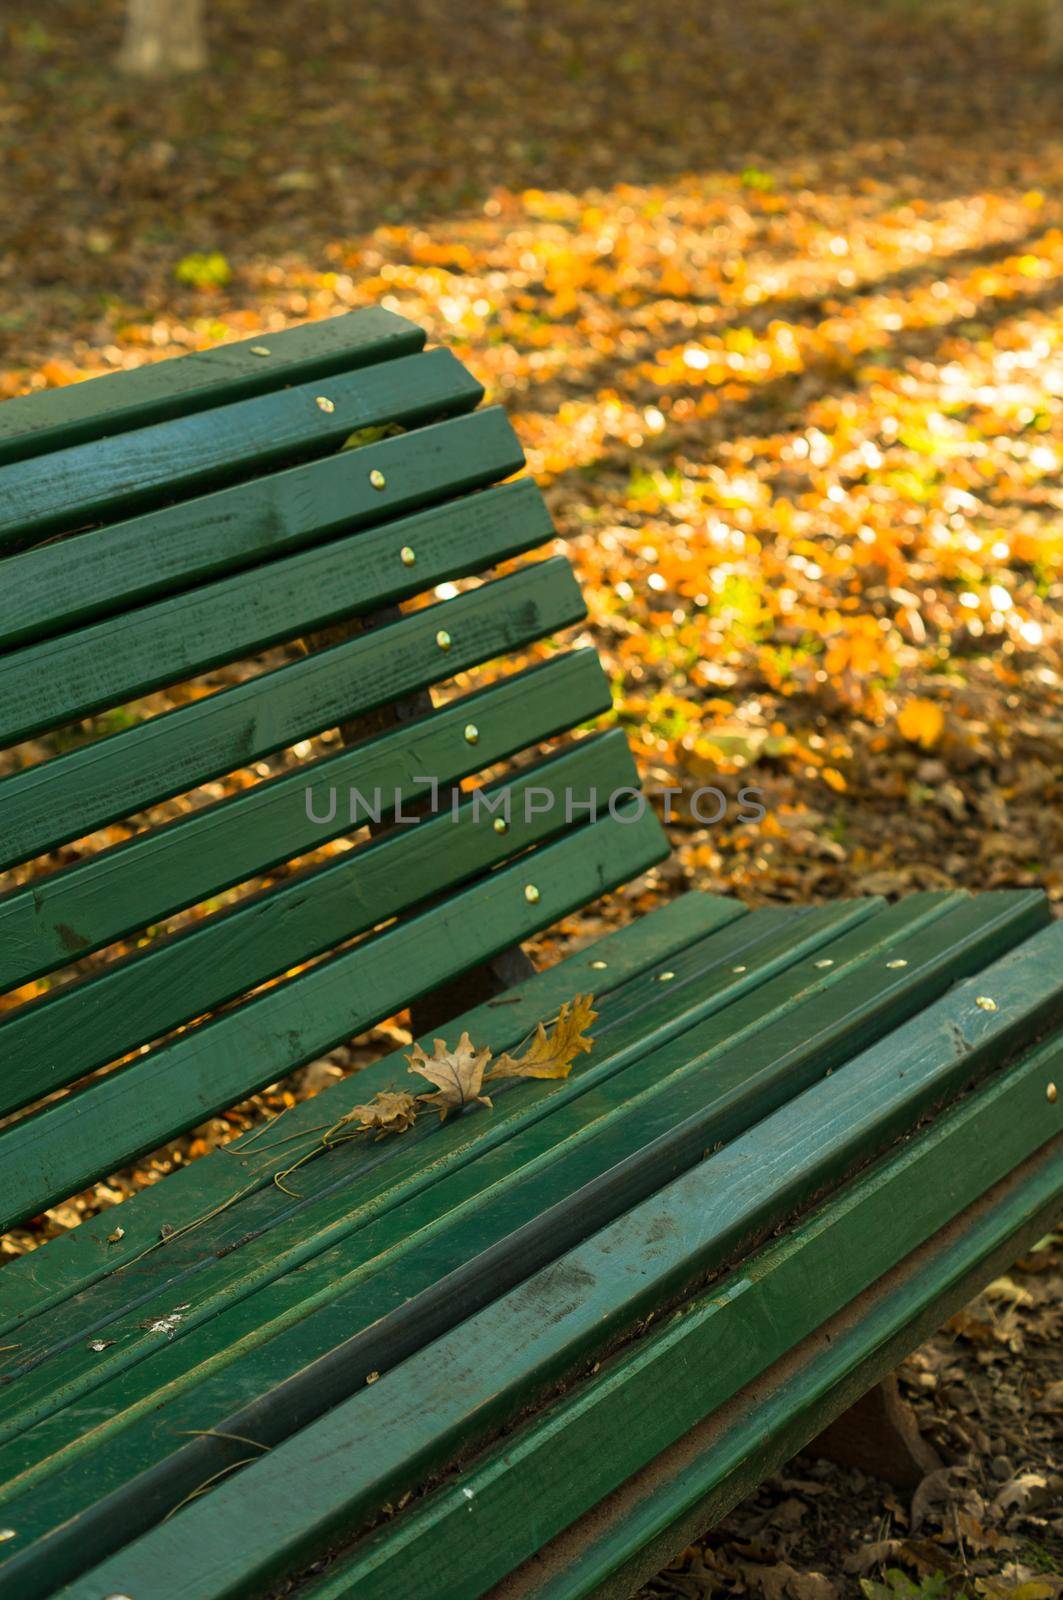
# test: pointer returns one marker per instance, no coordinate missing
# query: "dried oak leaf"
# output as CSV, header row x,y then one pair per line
x,y
551,1054
389,1111
457,1074
1039,1588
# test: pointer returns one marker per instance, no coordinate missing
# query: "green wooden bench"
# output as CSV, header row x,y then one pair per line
x,y
529,1349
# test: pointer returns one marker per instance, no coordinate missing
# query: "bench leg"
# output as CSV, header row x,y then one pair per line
x,y
880,1436
480,983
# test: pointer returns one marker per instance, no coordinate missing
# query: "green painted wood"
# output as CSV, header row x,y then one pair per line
x,y
729,1452
287,1506
70,913
437,1251
68,797
139,1106
112,477
393,1196
69,1265
506,1506
77,580
54,1041
691,1486
124,656
34,425
506,1212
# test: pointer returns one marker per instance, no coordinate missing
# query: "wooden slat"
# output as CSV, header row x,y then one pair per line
x,y
33,425
425,1266
60,585
138,1107
69,914
129,655
284,1508
113,477
75,793
670,1386
35,1284
52,1042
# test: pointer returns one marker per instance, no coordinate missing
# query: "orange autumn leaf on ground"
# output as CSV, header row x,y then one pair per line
x,y
551,1054
921,722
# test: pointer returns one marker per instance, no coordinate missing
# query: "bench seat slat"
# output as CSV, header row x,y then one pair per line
x,y
71,913
34,425
284,1508
411,1274
35,1284
139,1106
56,586
113,477
50,1043
69,796
672,1389
122,657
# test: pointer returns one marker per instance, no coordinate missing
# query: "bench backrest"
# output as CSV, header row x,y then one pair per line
x,y
173,522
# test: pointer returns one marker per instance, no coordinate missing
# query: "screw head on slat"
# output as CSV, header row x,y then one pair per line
x,y
407,556
443,639
985,1004
531,894
259,350
826,962
500,825
665,977
324,404
377,478
599,966
7,1533
739,969
1051,1094
472,733
897,963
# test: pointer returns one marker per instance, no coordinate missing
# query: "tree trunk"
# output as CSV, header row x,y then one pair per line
x,y
1054,31
163,37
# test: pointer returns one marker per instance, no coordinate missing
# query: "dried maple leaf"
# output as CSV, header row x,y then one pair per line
x,y
389,1111
550,1055
457,1074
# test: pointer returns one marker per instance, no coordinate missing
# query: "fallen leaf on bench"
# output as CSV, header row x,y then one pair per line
x,y
389,1111
550,1055
458,1074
